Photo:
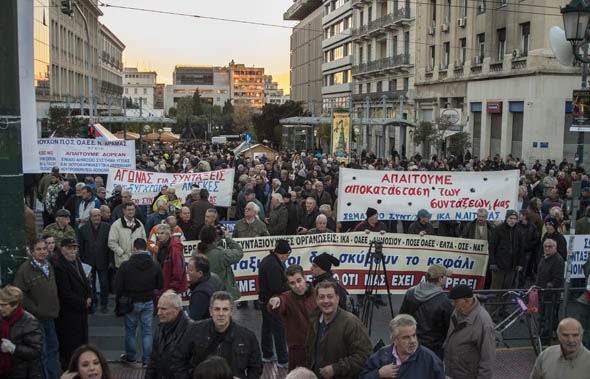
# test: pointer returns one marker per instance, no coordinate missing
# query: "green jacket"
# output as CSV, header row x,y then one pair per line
x,y
346,345
53,230
220,261
40,292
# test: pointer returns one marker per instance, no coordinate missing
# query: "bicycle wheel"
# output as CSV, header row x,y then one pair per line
x,y
534,335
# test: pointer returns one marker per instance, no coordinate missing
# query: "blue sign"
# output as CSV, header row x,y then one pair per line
x,y
544,145
248,137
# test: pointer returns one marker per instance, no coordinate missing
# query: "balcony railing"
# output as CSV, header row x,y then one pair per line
x,y
390,95
496,67
382,64
389,20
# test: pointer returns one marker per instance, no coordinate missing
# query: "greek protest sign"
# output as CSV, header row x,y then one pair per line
x,y
580,250
398,195
406,258
84,156
145,185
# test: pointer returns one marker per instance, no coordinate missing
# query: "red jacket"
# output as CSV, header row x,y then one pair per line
x,y
174,268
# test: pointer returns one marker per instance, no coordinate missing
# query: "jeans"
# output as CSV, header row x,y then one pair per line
x,y
103,278
50,350
142,313
273,327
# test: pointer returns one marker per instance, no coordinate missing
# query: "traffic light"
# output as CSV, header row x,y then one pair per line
x,y
67,7
83,128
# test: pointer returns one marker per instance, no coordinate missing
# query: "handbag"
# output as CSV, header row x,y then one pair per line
x,y
123,305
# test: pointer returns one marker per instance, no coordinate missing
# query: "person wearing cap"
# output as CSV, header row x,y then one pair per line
x,y
272,282
321,269
422,225
506,255
75,299
470,346
36,279
371,223
406,356
61,228
551,227
431,308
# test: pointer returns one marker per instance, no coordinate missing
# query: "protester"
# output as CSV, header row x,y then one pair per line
x,y
203,283
124,231
422,225
321,270
170,256
213,368
87,362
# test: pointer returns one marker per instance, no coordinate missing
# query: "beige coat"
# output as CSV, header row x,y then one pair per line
x,y
121,239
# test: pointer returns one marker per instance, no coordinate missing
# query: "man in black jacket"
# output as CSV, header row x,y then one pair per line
x,y
138,278
94,251
221,336
506,252
272,282
549,275
165,361
203,284
431,308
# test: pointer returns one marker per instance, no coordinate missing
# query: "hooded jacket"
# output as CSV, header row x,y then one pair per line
x,y
432,309
139,277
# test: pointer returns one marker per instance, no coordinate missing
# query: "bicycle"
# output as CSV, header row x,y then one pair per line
x,y
527,307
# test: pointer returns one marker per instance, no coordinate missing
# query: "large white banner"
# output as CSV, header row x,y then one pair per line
x,y
84,155
398,195
406,257
580,251
145,185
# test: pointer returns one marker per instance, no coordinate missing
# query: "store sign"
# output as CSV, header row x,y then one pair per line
x,y
494,106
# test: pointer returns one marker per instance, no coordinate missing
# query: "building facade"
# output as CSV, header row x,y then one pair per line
x,y
159,96
306,53
247,85
272,93
213,84
337,54
140,84
110,91
384,38
493,65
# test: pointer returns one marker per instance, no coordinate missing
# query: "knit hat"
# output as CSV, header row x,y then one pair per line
x,y
68,242
371,212
62,213
424,213
282,247
461,291
553,222
437,271
325,261
511,212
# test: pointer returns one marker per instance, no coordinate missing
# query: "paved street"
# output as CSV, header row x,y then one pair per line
x,y
107,332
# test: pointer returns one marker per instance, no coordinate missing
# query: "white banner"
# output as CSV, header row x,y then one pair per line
x,y
398,195
145,185
406,257
84,155
580,254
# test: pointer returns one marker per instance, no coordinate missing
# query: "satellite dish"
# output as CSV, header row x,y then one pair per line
x,y
560,46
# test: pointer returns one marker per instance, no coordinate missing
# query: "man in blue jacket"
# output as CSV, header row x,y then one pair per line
x,y
405,358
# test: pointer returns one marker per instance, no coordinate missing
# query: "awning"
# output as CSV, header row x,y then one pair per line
x,y
130,135
102,132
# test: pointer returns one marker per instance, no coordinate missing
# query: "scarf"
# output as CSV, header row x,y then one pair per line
x,y
5,364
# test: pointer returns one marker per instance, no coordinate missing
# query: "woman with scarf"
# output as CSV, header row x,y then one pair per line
x,y
20,334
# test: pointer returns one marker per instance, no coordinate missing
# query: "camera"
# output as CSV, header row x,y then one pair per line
x,y
378,249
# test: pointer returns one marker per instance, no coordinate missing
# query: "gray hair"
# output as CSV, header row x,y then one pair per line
x,y
325,208
277,196
301,373
164,228
321,217
255,207
80,185
482,211
161,202
400,321
173,298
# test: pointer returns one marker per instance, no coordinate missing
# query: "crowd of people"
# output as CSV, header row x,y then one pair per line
x,y
96,240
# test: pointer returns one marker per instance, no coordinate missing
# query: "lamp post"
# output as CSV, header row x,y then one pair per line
x,y
575,22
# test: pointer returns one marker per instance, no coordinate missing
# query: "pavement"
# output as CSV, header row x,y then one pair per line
x,y
108,333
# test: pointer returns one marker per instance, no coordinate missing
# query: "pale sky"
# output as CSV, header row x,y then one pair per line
x,y
158,42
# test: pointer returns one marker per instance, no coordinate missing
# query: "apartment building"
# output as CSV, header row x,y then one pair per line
x,y
306,53
110,91
272,93
213,84
159,96
140,84
337,54
491,62
384,67
247,85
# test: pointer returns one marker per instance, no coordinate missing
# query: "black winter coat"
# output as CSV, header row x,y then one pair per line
x,y
561,244
433,317
139,277
166,343
25,333
94,250
73,290
550,270
201,292
271,278
238,346
506,247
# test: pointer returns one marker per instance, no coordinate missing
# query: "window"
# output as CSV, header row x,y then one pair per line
x,y
394,45
433,12
360,55
525,39
369,52
145,91
481,6
360,89
135,91
406,83
464,8
380,86
481,39
501,43
368,87
126,90
447,12
447,52
431,57
393,84
462,50
361,18
369,14
407,43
